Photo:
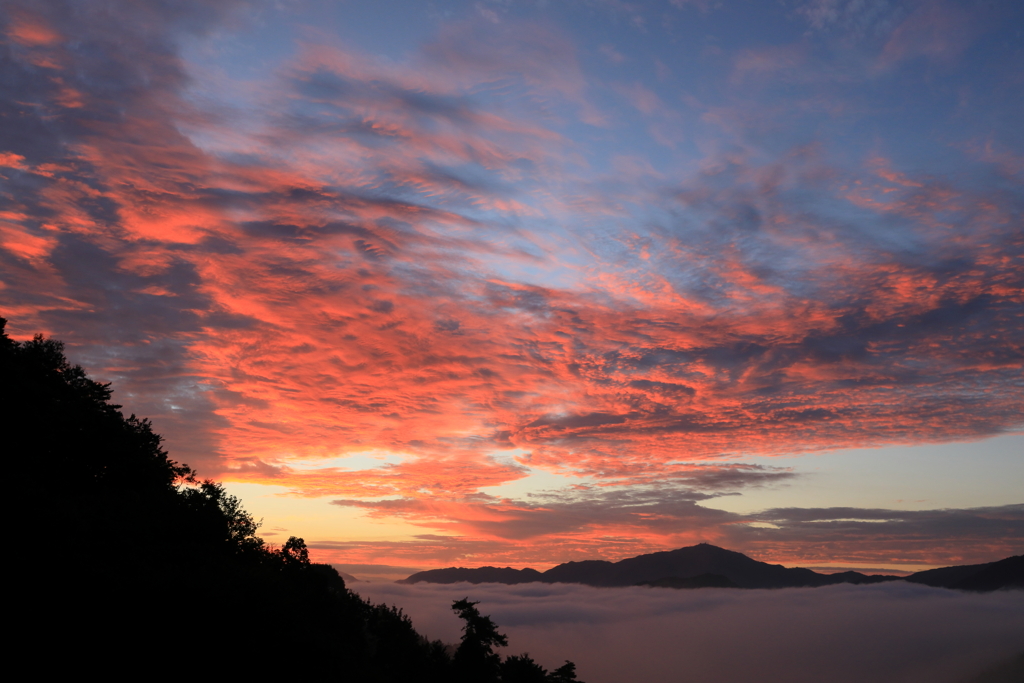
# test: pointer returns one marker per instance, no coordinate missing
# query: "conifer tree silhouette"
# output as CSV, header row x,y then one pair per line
x,y
475,659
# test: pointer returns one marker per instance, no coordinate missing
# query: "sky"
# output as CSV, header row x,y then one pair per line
x,y
517,283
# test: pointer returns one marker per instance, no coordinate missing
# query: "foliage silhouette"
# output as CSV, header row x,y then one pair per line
x,y
564,673
136,561
475,660
522,669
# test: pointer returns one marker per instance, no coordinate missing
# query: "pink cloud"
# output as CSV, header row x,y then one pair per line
x,y
936,30
768,61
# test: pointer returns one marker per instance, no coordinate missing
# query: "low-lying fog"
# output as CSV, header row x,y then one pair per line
x,y
898,633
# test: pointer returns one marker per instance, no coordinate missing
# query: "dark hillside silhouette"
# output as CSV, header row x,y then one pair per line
x,y
130,561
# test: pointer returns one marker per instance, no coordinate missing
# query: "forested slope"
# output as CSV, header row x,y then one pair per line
x,y
126,558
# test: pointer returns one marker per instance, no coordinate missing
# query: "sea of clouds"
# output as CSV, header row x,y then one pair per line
x,y
897,632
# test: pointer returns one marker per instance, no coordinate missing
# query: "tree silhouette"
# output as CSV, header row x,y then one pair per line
x,y
564,673
294,552
522,669
475,659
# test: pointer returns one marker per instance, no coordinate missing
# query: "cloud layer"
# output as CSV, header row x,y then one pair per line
x,y
885,633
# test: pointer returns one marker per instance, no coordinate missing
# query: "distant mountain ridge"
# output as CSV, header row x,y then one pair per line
x,y
699,581
694,567
1008,573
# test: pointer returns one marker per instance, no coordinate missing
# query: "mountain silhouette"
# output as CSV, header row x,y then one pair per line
x,y
348,578
690,568
699,581
1008,573
505,575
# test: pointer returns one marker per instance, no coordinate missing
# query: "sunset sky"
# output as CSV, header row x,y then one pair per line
x,y
511,282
